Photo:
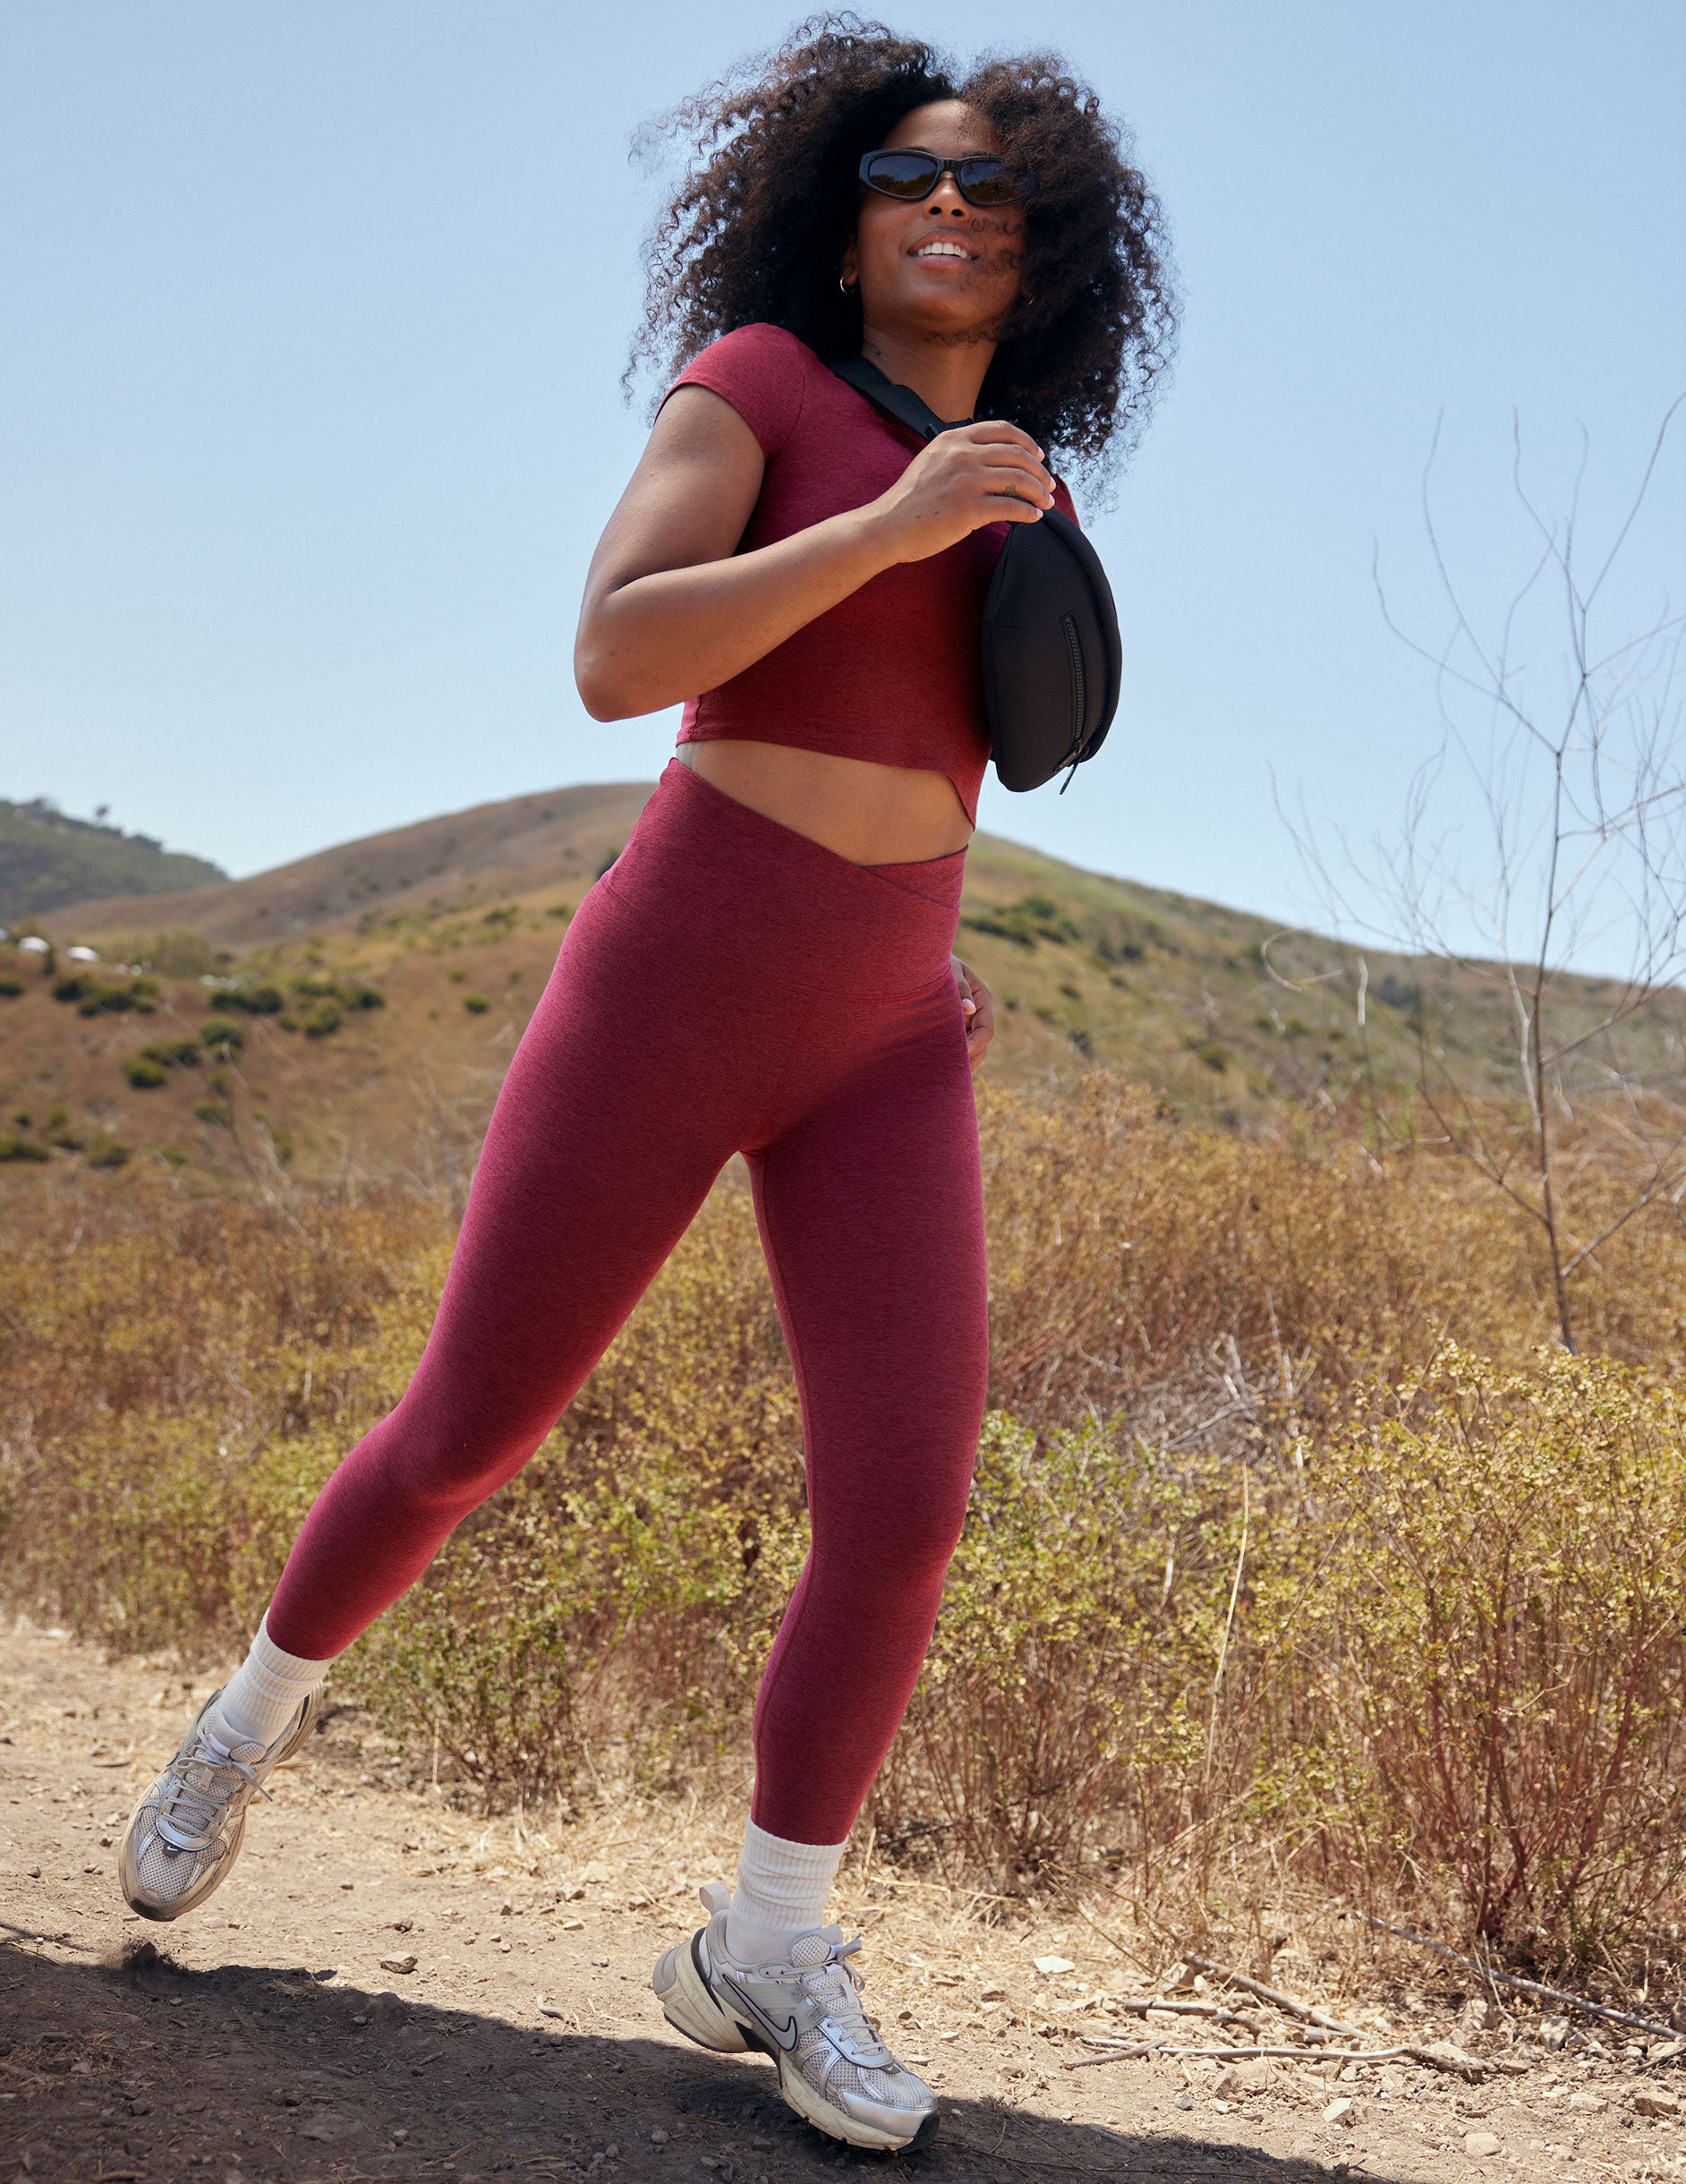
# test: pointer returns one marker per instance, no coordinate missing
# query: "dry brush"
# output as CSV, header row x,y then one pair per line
x,y
1289,1546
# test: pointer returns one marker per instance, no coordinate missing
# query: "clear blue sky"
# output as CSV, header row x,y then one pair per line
x,y
314,318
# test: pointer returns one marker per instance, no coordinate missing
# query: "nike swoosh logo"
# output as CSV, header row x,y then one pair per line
x,y
785,2033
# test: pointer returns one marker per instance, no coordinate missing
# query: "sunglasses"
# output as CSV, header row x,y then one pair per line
x,y
909,176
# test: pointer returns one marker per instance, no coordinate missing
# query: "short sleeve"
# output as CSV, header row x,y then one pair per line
x,y
1064,502
762,371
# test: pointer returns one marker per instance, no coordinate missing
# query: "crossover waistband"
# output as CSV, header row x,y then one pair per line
x,y
712,869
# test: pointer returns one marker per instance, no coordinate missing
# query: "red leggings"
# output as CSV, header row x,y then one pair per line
x,y
728,987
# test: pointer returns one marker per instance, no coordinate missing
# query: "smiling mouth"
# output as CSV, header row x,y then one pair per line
x,y
943,246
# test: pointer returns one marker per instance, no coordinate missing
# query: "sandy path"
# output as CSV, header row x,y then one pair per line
x,y
262,2040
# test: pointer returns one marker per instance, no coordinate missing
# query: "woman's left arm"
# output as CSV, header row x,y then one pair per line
x,y
978,1005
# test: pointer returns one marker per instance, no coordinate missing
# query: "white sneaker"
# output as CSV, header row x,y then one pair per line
x,y
806,2012
187,1831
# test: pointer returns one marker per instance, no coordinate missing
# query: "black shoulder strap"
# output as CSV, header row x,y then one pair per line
x,y
900,403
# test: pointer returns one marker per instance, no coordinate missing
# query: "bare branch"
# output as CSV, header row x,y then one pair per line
x,y
1581,786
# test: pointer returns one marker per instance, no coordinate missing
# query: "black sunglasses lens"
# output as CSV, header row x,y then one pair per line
x,y
986,181
911,175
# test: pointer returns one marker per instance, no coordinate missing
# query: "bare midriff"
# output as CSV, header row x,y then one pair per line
x,y
869,814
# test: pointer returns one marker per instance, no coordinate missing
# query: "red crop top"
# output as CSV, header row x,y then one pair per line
x,y
892,673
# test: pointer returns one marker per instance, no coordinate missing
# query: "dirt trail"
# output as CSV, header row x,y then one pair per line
x,y
262,2039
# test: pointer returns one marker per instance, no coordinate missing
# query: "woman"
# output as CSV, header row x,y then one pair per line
x,y
766,968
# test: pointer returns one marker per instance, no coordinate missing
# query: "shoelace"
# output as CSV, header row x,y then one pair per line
x,y
842,1995
188,1820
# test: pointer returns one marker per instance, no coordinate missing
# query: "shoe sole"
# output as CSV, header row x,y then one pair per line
x,y
813,2107
130,1881
689,2004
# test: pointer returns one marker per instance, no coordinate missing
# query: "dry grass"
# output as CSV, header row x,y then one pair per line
x,y
1295,1569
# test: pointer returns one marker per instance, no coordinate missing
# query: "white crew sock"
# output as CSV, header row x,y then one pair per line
x,y
781,1891
264,1693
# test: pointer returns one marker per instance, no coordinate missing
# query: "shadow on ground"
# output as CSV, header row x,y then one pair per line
x,y
142,2070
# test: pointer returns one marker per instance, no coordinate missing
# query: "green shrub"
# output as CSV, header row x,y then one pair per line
x,y
1071,1656
106,1152
21,1148
216,1112
560,1611
173,955
476,1004
176,1529
1496,1655
9,987
223,1036
261,999
349,993
61,1133
95,996
1024,923
150,1068
320,1020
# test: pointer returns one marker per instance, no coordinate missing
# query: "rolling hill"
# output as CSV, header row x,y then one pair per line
x,y
48,859
371,996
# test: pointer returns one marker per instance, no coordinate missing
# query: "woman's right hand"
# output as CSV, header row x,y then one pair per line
x,y
673,607
971,475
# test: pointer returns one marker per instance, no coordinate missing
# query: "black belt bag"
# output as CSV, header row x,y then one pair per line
x,y
1052,662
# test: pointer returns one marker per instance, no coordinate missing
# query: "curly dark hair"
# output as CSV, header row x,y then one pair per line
x,y
770,195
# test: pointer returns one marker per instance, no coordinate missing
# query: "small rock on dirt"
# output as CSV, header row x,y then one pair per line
x,y
397,1964
1451,2057
1478,2142
1652,2101
1341,2111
